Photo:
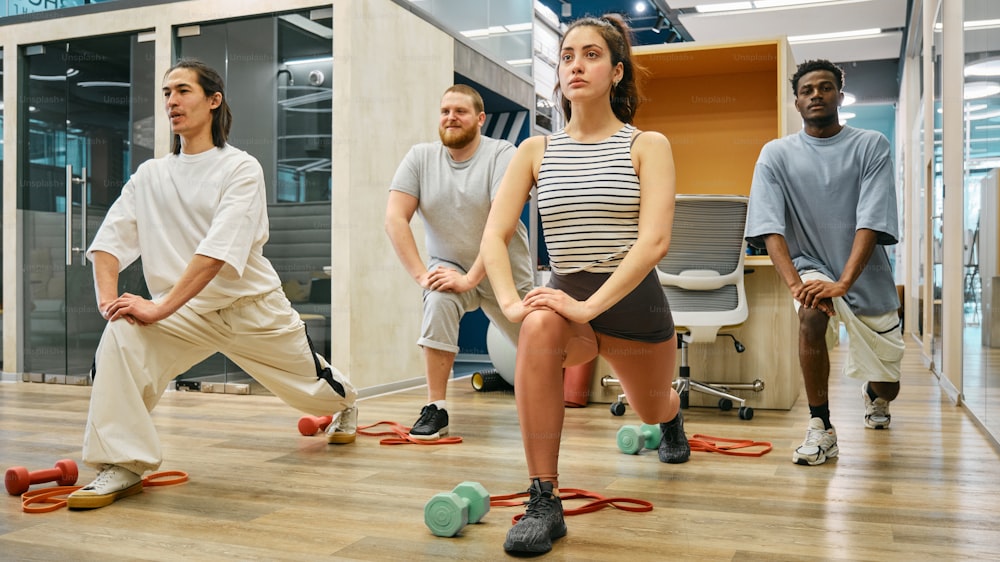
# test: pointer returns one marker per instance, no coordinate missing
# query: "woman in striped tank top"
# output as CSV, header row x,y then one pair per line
x,y
606,198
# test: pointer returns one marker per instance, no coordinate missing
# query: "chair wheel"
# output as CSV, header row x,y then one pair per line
x,y
725,404
618,409
746,413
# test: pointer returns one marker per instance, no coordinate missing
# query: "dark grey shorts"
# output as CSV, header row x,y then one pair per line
x,y
643,315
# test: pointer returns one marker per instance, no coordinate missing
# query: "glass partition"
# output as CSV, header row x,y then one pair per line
x,y
80,105
981,276
278,71
936,199
501,28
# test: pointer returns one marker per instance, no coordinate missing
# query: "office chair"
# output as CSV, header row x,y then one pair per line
x,y
702,277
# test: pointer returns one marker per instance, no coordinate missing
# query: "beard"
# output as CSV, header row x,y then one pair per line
x,y
457,139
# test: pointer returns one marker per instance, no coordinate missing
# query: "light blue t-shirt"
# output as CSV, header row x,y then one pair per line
x,y
817,192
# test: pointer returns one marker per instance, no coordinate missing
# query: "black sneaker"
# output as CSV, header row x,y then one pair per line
x,y
433,424
674,446
542,522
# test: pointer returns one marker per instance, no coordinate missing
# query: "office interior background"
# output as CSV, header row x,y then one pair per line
x,y
329,96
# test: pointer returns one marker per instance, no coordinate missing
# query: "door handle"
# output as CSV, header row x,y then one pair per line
x,y
70,249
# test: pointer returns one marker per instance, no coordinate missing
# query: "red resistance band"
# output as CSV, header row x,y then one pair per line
x,y
597,502
401,435
54,497
710,444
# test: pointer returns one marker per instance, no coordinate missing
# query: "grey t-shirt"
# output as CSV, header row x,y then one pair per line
x,y
454,201
817,192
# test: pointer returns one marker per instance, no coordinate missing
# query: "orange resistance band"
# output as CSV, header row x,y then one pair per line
x,y
401,435
598,502
709,444
54,497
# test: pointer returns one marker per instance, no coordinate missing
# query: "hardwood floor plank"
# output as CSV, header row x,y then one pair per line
x,y
923,490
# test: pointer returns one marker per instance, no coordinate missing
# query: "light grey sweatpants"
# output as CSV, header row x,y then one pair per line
x,y
443,312
263,335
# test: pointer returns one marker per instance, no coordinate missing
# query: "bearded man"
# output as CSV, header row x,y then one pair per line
x,y
451,184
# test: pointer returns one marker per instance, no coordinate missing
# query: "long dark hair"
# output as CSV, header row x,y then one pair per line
x,y
211,82
618,36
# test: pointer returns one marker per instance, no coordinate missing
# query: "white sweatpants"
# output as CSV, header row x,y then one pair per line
x,y
263,335
875,343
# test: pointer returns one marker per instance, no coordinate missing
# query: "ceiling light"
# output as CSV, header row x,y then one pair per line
x,y
103,84
640,6
849,99
659,23
821,37
848,115
983,115
726,7
779,3
984,67
972,24
981,24
567,10
310,60
977,90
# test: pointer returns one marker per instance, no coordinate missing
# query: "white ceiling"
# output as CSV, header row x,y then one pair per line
x,y
822,18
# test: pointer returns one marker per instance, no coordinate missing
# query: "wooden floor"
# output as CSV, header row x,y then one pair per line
x,y
927,489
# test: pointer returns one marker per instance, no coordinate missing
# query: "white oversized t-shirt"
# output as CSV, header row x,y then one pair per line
x,y
213,204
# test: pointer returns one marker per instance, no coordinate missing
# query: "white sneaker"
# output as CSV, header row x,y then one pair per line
x,y
112,483
820,444
343,427
876,411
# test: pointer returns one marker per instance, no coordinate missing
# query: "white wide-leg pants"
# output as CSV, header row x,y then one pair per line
x,y
263,335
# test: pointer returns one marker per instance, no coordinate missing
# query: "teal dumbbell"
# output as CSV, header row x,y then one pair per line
x,y
446,513
632,438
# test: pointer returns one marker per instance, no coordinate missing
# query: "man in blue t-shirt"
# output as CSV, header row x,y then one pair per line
x,y
823,204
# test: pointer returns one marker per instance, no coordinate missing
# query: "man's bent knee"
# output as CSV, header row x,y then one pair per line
x,y
813,325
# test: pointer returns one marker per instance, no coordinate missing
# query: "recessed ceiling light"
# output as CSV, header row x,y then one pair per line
x,y
983,67
779,3
821,37
724,7
978,90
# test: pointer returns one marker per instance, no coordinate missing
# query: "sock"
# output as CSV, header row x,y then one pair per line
x,y
871,393
822,412
441,404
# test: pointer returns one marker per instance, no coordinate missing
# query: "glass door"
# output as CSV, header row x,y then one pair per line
x,y
80,100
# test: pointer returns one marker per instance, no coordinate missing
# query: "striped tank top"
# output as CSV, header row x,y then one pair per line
x,y
588,199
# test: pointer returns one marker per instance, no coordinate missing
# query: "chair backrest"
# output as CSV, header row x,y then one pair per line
x,y
702,273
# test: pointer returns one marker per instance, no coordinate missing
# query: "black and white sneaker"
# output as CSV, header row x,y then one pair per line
x,y
433,424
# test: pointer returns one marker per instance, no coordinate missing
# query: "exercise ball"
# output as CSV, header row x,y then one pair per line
x,y
502,353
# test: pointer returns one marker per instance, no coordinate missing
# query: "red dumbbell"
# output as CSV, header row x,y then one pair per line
x,y
310,425
18,479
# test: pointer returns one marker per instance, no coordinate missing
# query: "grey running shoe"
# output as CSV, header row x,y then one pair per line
x,y
542,522
112,483
343,428
432,425
674,447
820,444
876,411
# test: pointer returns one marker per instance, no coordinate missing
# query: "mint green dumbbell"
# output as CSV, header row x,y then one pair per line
x,y
632,438
448,512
